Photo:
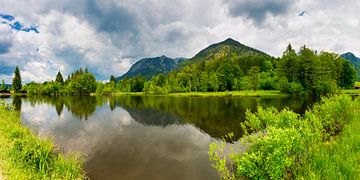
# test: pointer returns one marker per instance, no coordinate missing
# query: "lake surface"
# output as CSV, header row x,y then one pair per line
x,y
151,137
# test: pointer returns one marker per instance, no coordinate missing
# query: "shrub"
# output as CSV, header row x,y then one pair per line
x,y
282,143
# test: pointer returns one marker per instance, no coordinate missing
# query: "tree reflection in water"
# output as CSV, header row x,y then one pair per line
x,y
217,116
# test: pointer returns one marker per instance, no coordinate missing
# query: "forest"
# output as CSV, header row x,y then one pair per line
x,y
306,72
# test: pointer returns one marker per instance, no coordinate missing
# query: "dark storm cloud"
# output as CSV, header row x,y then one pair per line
x,y
258,9
72,58
5,46
110,17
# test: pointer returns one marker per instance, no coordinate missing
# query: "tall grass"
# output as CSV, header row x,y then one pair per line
x,y
322,144
25,156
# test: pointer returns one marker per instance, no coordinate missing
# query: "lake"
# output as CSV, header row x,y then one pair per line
x,y
143,137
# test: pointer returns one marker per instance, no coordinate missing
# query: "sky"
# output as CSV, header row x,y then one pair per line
x,y
108,36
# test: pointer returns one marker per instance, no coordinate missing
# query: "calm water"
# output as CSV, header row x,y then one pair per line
x,y
133,137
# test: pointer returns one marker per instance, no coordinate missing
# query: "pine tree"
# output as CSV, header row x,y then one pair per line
x,y
16,84
59,78
3,87
112,78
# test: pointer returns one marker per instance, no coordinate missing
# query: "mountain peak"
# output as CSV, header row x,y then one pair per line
x,y
149,67
350,56
225,48
231,41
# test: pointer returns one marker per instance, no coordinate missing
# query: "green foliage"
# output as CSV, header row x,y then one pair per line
x,y
59,78
135,84
254,73
230,66
33,157
318,74
284,145
112,79
3,85
348,75
107,88
291,88
16,84
78,83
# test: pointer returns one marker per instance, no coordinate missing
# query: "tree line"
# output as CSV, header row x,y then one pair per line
x,y
78,83
303,72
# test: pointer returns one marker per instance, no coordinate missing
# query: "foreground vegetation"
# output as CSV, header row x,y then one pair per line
x,y
25,156
322,144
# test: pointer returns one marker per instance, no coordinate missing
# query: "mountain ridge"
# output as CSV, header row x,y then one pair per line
x,y
223,48
351,57
147,66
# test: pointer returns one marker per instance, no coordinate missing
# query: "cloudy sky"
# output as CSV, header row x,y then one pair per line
x,y
108,36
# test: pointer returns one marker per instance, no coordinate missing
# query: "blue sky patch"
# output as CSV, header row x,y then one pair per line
x,y
7,19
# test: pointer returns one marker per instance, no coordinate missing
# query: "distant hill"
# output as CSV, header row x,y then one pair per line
x,y
354,60
219,66
224,49
149,67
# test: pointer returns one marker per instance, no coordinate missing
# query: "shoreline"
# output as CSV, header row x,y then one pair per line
x,y
24,155
245,93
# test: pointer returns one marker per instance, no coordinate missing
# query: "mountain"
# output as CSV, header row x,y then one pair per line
x,y
353,60
224,49
149,67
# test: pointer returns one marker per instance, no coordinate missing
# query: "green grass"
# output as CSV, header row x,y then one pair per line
x,y
350,91
26,156
339,158
258,93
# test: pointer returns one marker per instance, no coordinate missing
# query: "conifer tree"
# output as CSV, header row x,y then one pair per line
x,y
59,78
16,84
112,78
3,87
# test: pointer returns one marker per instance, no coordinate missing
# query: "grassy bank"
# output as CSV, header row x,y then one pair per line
x,y
25,156
350,91
258,93
322,144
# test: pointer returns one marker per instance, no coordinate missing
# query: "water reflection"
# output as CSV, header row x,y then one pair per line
x,y
16,102
215,116
131,137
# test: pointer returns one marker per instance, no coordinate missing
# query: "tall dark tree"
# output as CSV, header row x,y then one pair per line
x,y
59,78
112,78
16,84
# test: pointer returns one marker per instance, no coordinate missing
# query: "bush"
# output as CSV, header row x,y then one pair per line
x,y
282,143
290,88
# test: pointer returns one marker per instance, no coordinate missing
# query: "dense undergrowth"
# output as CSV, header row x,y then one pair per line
x,y
25,156
322,144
